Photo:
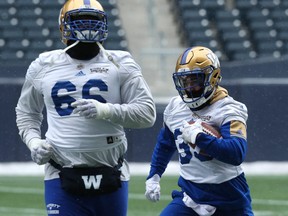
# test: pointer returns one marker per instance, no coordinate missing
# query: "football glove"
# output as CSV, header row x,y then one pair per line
x,y
190,131
41,151
90,108
153,188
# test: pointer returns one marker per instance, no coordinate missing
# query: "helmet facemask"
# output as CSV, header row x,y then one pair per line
x,y
85,25
83,21
194,86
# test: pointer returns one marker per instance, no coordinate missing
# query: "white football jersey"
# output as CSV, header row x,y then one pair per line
x,y
216,114
57,80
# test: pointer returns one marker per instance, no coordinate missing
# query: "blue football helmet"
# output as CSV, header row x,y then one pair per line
x,y
197,75
83,20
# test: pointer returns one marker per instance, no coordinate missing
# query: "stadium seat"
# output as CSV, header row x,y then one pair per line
x,y
268,4
25,3
239,56
214,5
269,46
264,35
11,32
245,4
283,34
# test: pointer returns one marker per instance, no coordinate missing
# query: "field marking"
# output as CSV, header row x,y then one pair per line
x,y
138,196
22,211
250,168
270,202
20,190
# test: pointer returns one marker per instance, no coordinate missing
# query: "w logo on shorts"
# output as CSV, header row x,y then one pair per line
x,y
92,182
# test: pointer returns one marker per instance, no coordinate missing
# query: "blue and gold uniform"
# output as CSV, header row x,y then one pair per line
x,y
211,179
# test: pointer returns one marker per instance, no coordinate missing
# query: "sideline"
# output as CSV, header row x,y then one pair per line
x,y
251,168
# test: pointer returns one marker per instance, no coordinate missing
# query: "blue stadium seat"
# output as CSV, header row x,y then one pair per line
x,y
268,4
245,4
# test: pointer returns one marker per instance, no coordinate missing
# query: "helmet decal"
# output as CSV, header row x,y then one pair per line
x,y
214,59
186,57
87,2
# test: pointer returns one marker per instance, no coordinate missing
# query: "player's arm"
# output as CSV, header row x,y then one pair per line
x,y
29,118
138,107
163,152
29,112
231,148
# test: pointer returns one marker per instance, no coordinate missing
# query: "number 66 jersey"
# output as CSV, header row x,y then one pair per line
x,y
55,80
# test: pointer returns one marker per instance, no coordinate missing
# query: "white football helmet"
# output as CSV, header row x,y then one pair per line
x,y
197,75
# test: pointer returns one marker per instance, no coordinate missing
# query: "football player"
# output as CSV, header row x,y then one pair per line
x,y
211,179
90,95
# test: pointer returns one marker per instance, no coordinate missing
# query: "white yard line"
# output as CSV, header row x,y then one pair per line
x,y
138,196
20,190
21,211
251,168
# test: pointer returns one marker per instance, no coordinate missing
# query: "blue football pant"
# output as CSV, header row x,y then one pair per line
x,y
177,208
61,203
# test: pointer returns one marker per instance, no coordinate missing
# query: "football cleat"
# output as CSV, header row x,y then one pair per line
x,y
197,75
83,20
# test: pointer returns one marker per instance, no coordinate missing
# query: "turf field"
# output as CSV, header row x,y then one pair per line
x,y
24,196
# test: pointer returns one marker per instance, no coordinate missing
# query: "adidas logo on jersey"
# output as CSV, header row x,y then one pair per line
x,y
80,73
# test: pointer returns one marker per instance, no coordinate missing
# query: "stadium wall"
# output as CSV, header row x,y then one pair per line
x,y
263,87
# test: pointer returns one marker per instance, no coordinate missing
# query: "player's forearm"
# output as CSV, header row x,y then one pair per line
x,y
160,159
163,152
141,114
28,124
231,150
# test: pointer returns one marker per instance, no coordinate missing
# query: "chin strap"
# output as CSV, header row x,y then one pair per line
x,y
72,45
110,58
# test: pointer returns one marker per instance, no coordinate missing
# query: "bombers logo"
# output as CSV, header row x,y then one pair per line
x,y
99,70
214,59
92,181
203,118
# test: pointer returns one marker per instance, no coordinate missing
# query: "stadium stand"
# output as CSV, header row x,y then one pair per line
x,y
236,29
239,29
29,27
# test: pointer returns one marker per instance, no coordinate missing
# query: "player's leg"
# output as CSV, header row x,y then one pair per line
x,y
61,203
177,208
112,204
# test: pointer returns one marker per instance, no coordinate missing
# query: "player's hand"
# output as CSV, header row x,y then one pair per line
x,y
90,108
41,151
153,188
190,131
